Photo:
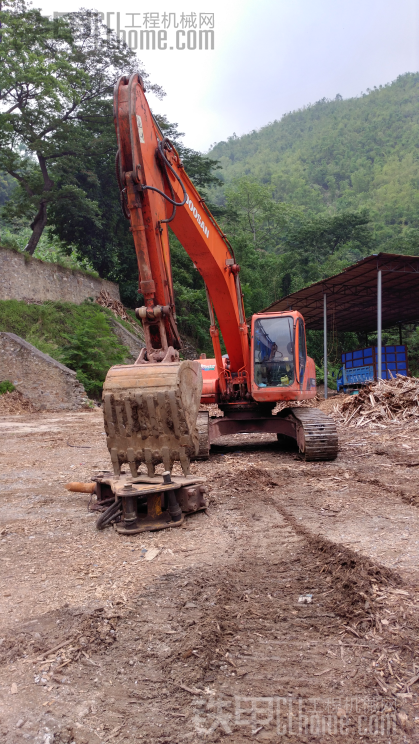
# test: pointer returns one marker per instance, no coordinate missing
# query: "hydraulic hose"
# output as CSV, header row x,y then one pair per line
x,y
168,165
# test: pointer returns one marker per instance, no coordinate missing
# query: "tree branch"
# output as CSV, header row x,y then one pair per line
x,y
21,180
17,105
57,155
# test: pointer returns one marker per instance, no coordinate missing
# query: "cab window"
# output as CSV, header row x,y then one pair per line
x,y
274,352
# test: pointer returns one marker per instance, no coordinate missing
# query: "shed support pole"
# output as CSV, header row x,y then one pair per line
x,y
379,318
325,343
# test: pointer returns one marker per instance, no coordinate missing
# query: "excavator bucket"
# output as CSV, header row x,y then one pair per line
x,y
150,413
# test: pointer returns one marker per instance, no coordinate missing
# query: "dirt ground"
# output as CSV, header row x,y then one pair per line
x,y
288,611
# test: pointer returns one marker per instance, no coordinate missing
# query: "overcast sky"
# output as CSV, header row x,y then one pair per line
x,y
269,56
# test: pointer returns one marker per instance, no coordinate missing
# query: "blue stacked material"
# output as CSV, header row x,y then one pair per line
x,y
393,361
360,366
359,358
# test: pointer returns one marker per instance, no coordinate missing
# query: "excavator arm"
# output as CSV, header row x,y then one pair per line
x,y
156,192
151,407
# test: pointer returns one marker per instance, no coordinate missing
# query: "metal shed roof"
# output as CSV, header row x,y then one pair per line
x,y
352,295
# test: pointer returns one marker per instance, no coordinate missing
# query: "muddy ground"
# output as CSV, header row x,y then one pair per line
x,y
209,641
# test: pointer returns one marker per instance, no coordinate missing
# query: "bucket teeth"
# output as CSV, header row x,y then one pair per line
x,y
150,414
165,453
148,459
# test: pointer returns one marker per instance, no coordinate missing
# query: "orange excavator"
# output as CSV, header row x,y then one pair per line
x,y
152,407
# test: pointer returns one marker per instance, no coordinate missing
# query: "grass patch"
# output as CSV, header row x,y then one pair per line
x,y
6,387
48,250
79,336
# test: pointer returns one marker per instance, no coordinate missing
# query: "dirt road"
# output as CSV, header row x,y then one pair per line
x,y
289,612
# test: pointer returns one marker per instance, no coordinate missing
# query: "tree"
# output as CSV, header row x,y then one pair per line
x,y
101,234
86,214
320,245
251,211
340,155
324,234
54,74
7,185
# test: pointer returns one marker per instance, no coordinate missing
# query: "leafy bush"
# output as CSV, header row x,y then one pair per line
x,y
332,375
80,336
6,387
91,350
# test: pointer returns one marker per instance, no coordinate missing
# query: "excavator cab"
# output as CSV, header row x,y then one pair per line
x,y
280,368
273,352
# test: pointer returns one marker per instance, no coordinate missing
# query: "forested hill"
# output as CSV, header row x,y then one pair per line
x,y
341,155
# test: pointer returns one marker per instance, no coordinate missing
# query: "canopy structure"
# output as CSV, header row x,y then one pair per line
x,y
380,291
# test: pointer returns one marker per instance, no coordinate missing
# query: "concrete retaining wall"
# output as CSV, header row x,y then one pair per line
x,y
48,384
31,279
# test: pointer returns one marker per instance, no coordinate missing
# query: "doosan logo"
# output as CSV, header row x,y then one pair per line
x,y
200,221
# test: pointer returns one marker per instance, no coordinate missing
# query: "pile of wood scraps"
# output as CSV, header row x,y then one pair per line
x,y
381,402
213,410
309,403
105,299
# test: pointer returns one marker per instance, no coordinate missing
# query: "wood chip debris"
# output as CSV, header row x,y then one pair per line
x,y
191,690
382,685
45,655
383,401
152,553
15,402
412,680
105,300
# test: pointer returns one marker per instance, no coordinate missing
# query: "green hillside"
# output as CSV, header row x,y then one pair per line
x,y
306,196
341,155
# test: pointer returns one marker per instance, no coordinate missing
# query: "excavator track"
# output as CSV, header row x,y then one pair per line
x,y
317,437
314,432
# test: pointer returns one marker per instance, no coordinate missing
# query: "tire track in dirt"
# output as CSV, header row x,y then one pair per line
x,y
195,643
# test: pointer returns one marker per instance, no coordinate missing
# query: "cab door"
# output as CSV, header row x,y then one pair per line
x,y
302,351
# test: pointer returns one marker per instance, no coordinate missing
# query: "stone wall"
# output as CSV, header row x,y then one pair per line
x,y
25,278
133,342
49,385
